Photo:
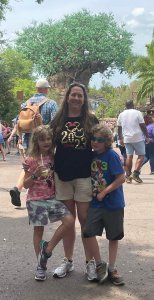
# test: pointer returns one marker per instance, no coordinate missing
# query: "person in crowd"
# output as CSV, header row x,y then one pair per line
x,y
47,111
41,203
2,128
72,132
6,134
132,133
149,147
107,206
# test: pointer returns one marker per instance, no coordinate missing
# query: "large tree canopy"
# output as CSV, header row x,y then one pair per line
x,y
77,46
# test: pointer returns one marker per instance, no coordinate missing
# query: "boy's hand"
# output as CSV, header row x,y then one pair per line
x,y
101,195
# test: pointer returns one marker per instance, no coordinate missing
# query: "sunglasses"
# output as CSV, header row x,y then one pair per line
x,y
75,83
98,139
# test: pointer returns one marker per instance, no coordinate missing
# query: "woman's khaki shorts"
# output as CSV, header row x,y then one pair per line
x,y
77,189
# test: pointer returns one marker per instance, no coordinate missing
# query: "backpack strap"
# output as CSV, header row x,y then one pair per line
x,y
37,103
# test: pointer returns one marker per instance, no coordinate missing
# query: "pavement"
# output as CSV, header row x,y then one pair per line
x,y
135,259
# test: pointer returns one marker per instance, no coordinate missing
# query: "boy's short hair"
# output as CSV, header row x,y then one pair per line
x,y
105,132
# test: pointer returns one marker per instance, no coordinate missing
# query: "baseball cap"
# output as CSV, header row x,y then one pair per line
x,y
42,83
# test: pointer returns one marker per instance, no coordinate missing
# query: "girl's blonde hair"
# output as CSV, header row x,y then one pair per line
x,y
105,133
39,133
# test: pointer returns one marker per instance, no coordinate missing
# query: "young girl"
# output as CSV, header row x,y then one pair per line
x,y
41,203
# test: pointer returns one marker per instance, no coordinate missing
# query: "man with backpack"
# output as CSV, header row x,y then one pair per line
x,y
35,111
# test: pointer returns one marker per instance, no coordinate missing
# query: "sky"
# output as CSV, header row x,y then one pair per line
x,y
138,15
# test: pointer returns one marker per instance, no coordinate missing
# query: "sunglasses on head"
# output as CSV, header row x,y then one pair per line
x,y
77,84
98,139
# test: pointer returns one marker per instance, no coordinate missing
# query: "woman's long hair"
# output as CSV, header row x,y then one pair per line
x,y
87,117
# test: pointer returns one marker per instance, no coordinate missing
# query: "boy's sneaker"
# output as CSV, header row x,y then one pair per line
x,y
15,196
40,274
128,179
65,267
135,176
102,272
91,270
115,278
43,256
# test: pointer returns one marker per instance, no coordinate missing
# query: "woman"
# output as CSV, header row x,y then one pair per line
x,y
72,131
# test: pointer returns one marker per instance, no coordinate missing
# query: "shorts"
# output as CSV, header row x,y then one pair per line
x,y
79,189
100,218
138,147
1,139
40,211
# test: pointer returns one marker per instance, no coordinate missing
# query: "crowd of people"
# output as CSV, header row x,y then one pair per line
x,y
71,170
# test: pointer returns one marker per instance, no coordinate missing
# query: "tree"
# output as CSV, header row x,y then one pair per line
x,y
76,47
16,64
147,76
143,67
8,105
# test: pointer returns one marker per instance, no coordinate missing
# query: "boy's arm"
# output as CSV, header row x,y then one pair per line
x,y
120,179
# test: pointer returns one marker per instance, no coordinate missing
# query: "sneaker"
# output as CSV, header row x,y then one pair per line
x,y
136,177
102,272
15,196
40,274
115,278
65,267
128,179
91,270
43,257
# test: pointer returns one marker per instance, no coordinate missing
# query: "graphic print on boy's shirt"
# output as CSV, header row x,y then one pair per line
x,y
98,181
104,169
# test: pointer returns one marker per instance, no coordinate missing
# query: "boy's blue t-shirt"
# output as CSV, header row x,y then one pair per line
x,y
104,168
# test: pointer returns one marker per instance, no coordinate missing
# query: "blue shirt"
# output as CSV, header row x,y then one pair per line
x,y
104,168
48,110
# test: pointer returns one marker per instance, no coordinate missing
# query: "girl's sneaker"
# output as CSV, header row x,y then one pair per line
x,y
43,257
40,274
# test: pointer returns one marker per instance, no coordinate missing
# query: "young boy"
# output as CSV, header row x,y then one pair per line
x,y
107,205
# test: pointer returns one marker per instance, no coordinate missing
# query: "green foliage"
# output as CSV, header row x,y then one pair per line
x,y
16,64
80,42
147,75
116,97
8,105
3,8
143,66
25,85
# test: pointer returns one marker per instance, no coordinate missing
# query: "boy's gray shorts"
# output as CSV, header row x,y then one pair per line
x,y
100,218
42,211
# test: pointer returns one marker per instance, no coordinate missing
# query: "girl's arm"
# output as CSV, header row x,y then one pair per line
x,y
120,179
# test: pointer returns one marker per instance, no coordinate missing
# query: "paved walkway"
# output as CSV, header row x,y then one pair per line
x,y
135,260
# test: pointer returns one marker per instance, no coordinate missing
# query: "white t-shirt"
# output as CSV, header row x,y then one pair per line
x,y
129,120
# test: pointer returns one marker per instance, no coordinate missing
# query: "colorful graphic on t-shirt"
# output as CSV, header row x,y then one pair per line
x,y
98,182
73,136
